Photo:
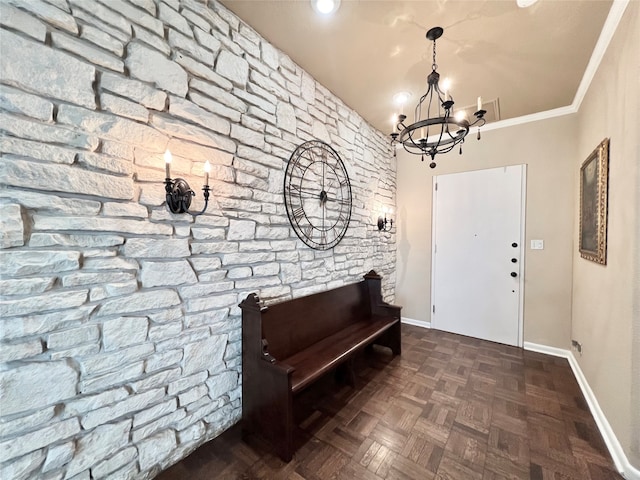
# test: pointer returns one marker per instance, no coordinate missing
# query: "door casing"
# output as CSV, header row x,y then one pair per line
x,y
522,250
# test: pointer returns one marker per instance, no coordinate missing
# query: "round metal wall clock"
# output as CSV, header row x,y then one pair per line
x,y
317,194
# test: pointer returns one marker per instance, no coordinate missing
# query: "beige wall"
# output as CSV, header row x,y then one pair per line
x,y
565,296
548,150
604,297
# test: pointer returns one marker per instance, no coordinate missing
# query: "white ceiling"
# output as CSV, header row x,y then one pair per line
x,y
531,60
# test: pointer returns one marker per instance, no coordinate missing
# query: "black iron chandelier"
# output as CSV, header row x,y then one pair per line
x,y
435,129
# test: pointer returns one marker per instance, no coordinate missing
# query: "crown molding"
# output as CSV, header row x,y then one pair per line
x,y
533,117
608,30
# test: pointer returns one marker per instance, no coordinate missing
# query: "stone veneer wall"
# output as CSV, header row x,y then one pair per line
x,y
119,330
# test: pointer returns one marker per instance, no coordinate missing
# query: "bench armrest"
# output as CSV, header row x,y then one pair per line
x,y
388,309
377,304
395,308
282,368
271,360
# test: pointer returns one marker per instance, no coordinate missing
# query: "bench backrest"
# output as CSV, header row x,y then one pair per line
x,y
294,325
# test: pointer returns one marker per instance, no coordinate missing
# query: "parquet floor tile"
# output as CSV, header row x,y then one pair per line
x,y
450,408
498,466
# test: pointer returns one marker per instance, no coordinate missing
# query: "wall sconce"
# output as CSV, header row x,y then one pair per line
x,y
385,224
178,191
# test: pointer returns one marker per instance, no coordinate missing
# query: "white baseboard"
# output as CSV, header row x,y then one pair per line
x,y
620,459
415,323
556,352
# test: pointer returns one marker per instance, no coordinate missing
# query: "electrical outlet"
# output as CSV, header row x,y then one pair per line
x,y
577,345
537,244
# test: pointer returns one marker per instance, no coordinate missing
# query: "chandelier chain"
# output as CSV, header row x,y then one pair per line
x,y
434,65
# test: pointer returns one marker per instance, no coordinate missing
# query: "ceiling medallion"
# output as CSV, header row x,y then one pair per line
x,y
435,129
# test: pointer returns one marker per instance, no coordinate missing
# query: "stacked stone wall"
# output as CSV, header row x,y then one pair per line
x,y
119,329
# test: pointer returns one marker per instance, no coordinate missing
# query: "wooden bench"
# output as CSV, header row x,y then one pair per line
x,y
287,346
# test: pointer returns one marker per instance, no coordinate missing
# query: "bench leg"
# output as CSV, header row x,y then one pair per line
x,y
284,448
283,426
350,372
392,339
345,373
268,410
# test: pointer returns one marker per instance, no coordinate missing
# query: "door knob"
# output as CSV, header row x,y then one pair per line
x,y
514,274
514,244
514,260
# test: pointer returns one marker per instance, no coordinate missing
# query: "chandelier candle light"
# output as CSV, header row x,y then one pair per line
x,y
178,191
436,129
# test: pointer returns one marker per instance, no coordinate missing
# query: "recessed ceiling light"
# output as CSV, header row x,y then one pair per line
x,y
325,7
525,3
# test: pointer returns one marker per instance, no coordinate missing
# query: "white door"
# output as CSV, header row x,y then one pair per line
x,y
478,230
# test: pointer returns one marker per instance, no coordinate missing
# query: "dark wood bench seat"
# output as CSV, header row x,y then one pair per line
x,y
316,360
288,346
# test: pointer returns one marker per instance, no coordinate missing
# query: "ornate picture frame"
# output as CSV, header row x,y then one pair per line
x,y
594,180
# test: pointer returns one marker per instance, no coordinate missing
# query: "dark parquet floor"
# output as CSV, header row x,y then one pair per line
x,y
450,408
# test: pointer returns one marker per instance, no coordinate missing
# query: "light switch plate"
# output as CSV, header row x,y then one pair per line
x,y
537,244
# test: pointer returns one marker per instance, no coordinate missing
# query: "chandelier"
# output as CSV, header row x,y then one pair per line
x,y
435,129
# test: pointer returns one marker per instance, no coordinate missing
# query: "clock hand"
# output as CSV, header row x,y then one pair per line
x,y
323,169
330,185
314,196
324,196
313,193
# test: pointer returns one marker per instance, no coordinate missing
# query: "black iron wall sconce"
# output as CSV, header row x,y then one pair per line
x,y
178,191
385,224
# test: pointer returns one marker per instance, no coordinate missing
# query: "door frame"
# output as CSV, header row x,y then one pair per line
x,y
521,283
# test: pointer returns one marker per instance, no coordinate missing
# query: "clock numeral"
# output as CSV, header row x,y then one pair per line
x,y
297,169
308,231
323,237
298,213
295,187
308,156
344,201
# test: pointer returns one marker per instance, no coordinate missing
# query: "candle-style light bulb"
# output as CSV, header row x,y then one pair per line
x,y
207,169
167,164
479,104
446,86
400,99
